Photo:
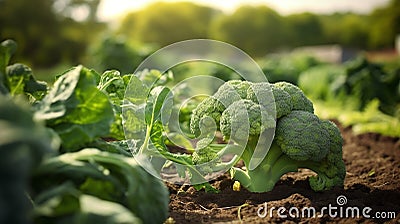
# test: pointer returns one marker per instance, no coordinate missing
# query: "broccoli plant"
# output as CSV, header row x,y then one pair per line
x,y
244,116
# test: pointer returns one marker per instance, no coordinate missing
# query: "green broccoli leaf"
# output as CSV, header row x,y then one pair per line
x,y
23,144
146,114
113,84
76,109
66,204
20,80
110,177
7,49
133,111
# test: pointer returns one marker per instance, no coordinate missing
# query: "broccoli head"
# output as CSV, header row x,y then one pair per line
x,y
227,94
243,111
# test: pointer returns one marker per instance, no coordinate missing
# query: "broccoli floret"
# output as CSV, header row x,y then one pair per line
x,y
322,152
210,107
299,100
260,93
301,139
203,155
232,91
298,126
227,94
234,126
206,157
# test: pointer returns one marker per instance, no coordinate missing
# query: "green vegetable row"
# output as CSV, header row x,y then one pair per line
x,y
63,158
359,93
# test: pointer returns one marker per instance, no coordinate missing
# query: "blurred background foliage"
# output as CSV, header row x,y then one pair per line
x,y
53,35
47,32
166,23
50,32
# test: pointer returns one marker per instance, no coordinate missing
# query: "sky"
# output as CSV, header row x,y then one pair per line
x,y
112,9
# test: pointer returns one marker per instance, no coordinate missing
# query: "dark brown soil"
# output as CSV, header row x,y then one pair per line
x,y
372,180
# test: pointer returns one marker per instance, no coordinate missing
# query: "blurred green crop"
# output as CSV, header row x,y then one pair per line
x,y
360,93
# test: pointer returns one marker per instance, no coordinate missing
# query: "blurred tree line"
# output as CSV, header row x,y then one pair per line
x,y
49,32
260,30
52,31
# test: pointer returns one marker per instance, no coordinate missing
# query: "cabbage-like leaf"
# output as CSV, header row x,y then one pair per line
x,y
76,109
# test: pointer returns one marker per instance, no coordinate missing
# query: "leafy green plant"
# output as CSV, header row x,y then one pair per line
x,y
359,93
76,109
323,82
72,206
113,84
370,119
366,81
18,79
358,81
23,144
146,126
57,139
116,52
107,176
287,67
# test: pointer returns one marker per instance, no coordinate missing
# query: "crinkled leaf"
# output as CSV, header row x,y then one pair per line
x,y
134,188
114,85
136,91
20,80
66,204
7,49
76,109
61,96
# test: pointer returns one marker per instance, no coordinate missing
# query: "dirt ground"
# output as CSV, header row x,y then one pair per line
x,y
372,180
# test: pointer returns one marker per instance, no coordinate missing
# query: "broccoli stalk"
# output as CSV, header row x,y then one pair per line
x,y
264,177
301,139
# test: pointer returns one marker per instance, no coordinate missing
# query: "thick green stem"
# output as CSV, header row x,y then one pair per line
x,y
264,177
145,145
